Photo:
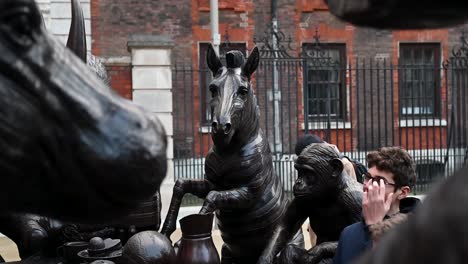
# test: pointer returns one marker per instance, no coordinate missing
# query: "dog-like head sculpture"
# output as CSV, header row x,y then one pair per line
x,y
70,147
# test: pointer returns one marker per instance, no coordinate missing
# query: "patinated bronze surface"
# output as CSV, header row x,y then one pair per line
x,y
324,194
100,249
240,184
77,42
41,236
400,14
71,146
32,234
77,29
148,247
196,245
73,149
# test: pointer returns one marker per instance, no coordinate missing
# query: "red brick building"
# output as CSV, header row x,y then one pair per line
x,y
408,106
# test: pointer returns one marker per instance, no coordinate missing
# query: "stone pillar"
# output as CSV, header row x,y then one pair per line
x,y
152,89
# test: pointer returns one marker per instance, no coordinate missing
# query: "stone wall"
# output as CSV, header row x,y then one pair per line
x,y
152,90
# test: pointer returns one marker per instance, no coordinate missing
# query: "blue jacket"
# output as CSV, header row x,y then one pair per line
x,y
354,240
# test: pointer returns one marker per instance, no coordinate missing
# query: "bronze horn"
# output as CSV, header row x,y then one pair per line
x,y
77,37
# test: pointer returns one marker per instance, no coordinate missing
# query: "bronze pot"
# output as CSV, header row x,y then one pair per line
x,y
196,245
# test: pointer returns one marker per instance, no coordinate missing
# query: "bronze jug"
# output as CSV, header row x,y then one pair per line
x,y
196,245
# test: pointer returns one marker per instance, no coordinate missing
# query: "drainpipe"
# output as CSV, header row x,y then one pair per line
x,y
278,148
214,19
274,11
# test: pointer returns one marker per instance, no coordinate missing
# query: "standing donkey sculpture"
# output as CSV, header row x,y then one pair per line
x,y
240,183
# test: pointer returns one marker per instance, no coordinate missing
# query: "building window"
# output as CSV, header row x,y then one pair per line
x,y
206,76
419,80
325,82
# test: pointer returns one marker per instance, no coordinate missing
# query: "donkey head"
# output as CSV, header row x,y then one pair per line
x,y
234,109
71,147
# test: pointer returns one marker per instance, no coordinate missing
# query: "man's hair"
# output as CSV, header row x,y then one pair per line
x,y
395,160
306,140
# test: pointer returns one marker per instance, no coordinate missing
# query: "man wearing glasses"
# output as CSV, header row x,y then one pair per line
x,y
388,182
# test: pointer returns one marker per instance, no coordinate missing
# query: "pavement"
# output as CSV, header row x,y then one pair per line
x,y
8,249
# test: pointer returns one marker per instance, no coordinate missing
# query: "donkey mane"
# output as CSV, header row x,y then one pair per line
x,y
234,59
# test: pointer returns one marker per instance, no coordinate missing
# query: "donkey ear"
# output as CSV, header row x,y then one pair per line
x,y
252,63
213,61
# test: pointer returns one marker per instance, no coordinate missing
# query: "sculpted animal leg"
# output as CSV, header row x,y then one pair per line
x,y
226,255
199,188
32,234
284,231
321,252
291,254
236,198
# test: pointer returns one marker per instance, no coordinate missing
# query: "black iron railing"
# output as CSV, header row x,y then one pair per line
x,y
358,104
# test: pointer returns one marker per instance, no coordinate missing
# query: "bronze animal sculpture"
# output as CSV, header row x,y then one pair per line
x,y
68,141
147,214
54,97
400,14
32,234
324,194
240,184
77,37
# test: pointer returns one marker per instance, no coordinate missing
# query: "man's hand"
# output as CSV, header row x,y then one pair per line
x,y
374,203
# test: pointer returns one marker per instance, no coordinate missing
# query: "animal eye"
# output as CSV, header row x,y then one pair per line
x,y
18,23
243,90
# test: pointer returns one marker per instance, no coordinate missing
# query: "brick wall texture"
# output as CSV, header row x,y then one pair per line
x,y
121,79
188,23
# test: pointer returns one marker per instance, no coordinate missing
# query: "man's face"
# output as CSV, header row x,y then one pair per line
x,y
375,174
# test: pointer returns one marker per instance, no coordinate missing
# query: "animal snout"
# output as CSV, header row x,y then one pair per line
x,y
227,128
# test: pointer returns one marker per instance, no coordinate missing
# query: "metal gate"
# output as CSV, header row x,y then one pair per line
x,y
358,104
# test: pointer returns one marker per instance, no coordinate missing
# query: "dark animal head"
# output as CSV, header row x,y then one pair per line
x,y
319,171
71,147
400,14
234,109
305,141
